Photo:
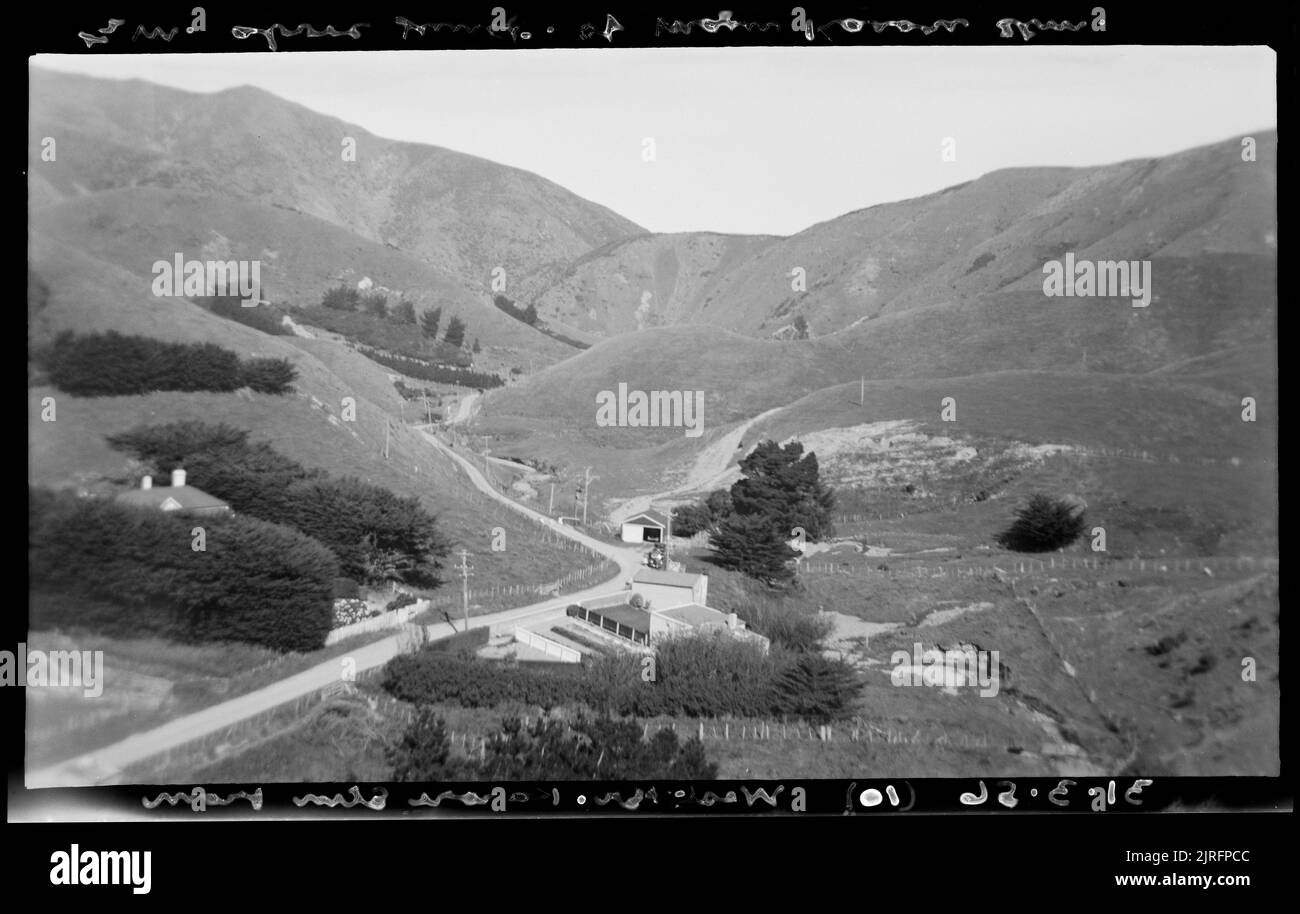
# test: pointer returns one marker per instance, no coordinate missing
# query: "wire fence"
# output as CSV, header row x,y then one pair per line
x,y
1051,565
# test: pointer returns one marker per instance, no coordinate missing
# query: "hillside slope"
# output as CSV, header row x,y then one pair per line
x,y
464,214
973,239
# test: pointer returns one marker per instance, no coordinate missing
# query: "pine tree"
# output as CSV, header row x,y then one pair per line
x,y
455,335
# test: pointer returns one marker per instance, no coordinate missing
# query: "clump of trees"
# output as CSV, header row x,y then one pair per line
x,y
115,364
691,519
528,315
266,318
1044,524
376,536
781,491
132,571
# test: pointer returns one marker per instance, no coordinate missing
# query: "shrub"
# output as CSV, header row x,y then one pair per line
x,y
342,298
1044,524
436,676
816,688
266,318
348,611
593,748
689,520
346,588
424,752
402,599
269,376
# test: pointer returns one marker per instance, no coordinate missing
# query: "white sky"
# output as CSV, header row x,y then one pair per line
x,y
759,140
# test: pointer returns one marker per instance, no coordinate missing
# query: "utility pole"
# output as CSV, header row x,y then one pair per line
x,y
586,484
465,572
386,425
550,509
862,392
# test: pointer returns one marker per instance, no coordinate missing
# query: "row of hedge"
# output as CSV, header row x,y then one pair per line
x,y
132,571
114,364
377,333
705,675
429,371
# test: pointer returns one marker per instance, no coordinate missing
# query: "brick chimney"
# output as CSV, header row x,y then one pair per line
x,y
178,478
146,482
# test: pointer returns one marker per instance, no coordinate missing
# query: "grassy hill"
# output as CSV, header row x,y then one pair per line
x,y
974,239
301,256
465,214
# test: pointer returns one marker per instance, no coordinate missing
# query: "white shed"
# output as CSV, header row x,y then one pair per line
x,y
648,527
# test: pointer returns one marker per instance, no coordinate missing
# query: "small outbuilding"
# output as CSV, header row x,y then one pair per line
x,y
647,527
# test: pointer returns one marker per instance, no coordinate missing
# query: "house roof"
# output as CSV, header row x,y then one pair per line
x,y
605,602
630,616
653,517
694,614
671,578
187,497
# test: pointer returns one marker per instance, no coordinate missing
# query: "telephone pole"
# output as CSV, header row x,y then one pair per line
x,y
550,509
465,571
585,485
387,423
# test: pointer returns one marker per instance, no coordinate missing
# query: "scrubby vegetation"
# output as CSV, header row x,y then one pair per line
x,y
125,571
591,748
114,364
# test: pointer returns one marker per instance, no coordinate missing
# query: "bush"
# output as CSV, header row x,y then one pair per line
x,y
689,520
348,611
1044,524
346,588
402,599
114,364
266,318
424,753
342,298
269,376
254,582
591,748
816,688
437,676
